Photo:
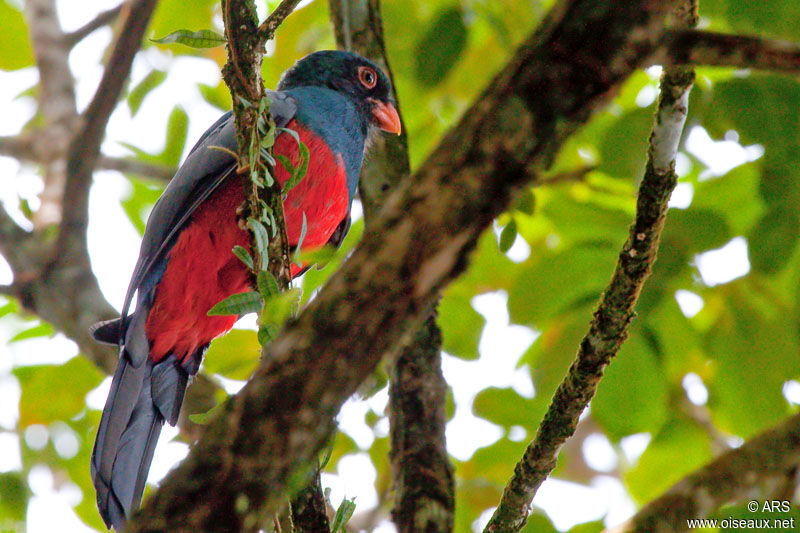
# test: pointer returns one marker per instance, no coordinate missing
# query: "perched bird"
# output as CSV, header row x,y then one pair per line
x,y
335,101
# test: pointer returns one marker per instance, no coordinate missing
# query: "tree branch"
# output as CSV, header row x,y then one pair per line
x,y
421,470
756,470
22,148
262,442
134,166
267,29
424,491
84,149
608,329
56,103
697,47
102,19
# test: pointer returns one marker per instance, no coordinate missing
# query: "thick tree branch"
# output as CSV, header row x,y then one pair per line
x,y
263,440
608,329
421,471
757,470
84,149
422,476
102,19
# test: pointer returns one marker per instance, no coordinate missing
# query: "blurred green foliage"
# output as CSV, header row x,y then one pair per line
x,y
742,344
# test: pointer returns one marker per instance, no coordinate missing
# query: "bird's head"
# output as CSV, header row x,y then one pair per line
x,y
348,73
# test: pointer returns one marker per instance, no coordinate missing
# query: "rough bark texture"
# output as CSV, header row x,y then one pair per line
x,y
422,473
264,439
608,329
757,470
420,465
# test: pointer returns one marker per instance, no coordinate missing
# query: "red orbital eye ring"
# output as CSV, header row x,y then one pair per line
x,y
367,77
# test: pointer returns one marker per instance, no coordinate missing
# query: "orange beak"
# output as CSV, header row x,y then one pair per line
x,y
386,116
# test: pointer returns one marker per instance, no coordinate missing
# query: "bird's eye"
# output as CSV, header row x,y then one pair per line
x,y
367,77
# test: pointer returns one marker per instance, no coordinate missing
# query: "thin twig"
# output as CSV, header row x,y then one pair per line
x,y
608,329
267,29
84,150
134,166
22,148
102,19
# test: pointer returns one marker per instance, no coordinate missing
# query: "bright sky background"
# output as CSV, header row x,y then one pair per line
x,y
114,246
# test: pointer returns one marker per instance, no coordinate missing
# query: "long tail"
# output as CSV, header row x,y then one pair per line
x,y
138,403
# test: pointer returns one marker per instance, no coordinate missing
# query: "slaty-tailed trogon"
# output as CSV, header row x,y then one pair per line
x,y
335,101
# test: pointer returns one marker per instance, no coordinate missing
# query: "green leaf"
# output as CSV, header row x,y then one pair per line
x,y
526,203
440,48
234,355
177,128
219,96
678,449
632,396
589,527
43,384
505,407
623,149
280,307
10,306
303,229
296,173
461,324
507,236
202,419
238,304
140,201
761,107
267,284
343,514
150,82
774,239
749,348
738,187
262,240
41,330
193,39
15,46
14,503
244,256
538,523
559,281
